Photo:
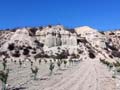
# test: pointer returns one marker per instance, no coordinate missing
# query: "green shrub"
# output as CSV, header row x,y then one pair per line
x,y
70,62
34,71
51,67
106,63
39,61
118,69
59,63
65,62
45,61
20,63
11,46
31,63
4,63
117,64
3,78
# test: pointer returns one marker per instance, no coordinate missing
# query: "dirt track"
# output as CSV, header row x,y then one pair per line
x,y
90,75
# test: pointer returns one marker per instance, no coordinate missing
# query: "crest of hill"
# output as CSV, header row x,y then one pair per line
x,y
84,29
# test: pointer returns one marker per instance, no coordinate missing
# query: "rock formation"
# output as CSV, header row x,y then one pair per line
x,y
56,36
49,38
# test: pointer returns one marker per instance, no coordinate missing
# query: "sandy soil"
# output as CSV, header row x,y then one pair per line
x,y
86,75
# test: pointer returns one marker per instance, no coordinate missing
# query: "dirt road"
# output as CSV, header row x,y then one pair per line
x,y
90,75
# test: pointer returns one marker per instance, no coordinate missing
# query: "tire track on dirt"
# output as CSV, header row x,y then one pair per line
x,y
71,80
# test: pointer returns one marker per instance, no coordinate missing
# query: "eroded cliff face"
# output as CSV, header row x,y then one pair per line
x,y
56,36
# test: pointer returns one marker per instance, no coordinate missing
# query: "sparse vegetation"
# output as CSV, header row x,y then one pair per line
x,y
65,62
70,62
91,55
31,63
16,53
39,61
113,76
34,71
59,64
51,67
116,64
20,63
106,63
3,78
26,51
11,46
118,69
45,61
4,63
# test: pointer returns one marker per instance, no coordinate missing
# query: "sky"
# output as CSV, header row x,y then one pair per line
x,y
98,14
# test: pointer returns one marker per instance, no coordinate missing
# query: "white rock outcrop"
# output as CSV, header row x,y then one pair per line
x,y
92,36
56,36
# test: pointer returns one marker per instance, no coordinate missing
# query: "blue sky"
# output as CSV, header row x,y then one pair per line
x,y
99,14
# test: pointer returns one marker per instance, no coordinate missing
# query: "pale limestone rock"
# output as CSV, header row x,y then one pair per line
x,y
56,36
92,36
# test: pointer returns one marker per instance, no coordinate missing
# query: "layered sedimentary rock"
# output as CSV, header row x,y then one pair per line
x,y
56,36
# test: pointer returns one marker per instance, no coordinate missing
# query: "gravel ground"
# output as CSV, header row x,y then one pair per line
x,y
84,75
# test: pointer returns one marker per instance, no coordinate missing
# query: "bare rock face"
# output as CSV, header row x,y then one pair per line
x,y
92,36
56,36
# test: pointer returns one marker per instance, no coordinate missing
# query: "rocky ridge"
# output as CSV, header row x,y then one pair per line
x,y
50,38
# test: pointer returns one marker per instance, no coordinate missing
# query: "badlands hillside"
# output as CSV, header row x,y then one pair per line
x,y
59,58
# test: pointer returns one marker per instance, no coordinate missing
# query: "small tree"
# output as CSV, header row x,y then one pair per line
x,y
70,62
26,51
118,69
59,64
51,67
110,65
20,63
16,53
3,78
11,46
34,71
45,61
65,62
39,61
4,63
15,61
31,63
